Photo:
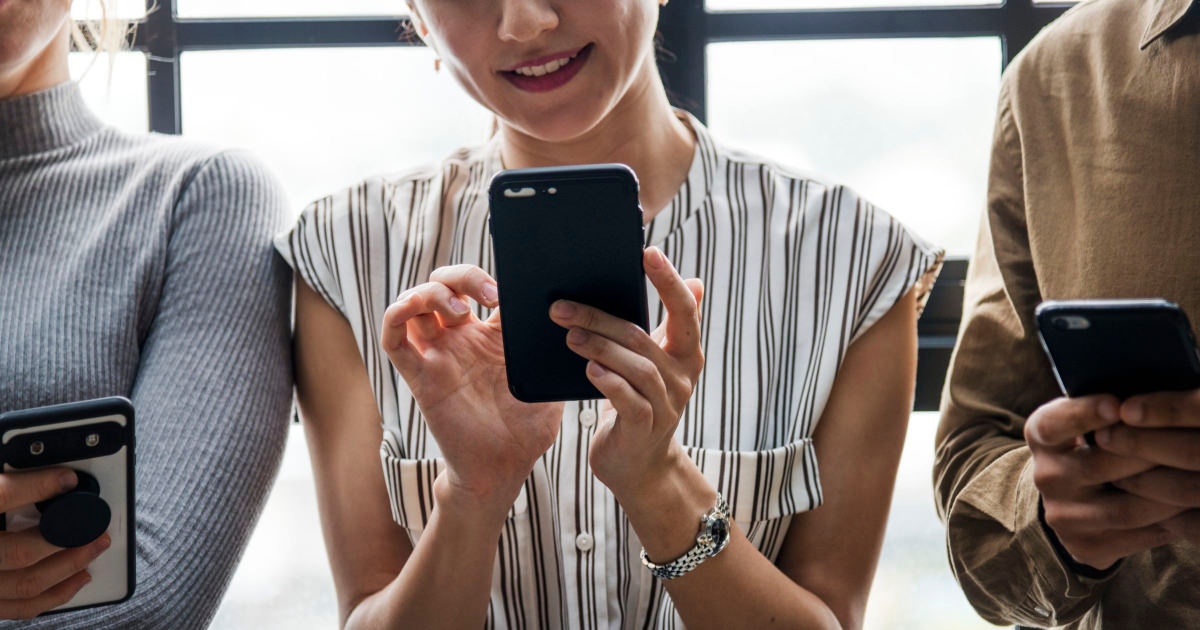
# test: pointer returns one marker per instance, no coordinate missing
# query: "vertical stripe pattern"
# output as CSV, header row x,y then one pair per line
x,y
795,271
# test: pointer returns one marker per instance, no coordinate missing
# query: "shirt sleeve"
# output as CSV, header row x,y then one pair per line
x,y
889,260
999,549
309,247
212,397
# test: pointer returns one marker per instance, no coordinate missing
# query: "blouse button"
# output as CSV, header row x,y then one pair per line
x,y
584,542
587,417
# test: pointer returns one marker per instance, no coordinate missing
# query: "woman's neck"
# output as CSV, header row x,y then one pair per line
x,y
641,131
45,70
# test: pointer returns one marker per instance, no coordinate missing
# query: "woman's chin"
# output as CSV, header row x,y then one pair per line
x,y
561,127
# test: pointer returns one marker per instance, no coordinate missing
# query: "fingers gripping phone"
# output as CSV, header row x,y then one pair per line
x,y
574,233
95,439
1119,347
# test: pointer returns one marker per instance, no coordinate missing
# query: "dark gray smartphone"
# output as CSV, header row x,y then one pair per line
x,y
1119,347
571,232
95,439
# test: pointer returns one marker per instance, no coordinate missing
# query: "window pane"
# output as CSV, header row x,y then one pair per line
x,y
116,92
283,581
322,119
754,5
905,122
914,587
326,118
288,8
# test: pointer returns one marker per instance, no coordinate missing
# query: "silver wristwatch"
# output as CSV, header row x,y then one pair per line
x,y
714,535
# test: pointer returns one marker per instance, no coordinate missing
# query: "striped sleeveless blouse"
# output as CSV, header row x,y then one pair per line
x,y
795,270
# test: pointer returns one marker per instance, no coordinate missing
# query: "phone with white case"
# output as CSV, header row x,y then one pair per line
x,y
94,438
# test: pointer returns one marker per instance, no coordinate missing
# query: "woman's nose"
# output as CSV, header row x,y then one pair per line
x,y
524,20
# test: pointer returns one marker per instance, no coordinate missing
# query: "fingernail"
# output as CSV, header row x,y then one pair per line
x,y
1103,436
1134,411
576,336
458,306
563,308
657,260
68,480
103,543
490,293
595,369
1109,411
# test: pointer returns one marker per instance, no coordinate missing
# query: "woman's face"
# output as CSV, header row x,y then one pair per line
x,y
551,68
27,27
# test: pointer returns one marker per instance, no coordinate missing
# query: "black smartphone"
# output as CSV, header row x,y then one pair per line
x,y
1119,347
94,438
570,232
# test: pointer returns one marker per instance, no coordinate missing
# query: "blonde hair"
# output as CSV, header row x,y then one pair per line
x,y
106,34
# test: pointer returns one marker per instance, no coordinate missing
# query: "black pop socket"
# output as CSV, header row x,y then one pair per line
x,y
76,518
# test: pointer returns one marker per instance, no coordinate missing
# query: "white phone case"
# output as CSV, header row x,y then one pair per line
x,y
113,572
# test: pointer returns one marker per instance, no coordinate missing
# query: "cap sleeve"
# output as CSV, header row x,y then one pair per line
x,y
892,260
309,247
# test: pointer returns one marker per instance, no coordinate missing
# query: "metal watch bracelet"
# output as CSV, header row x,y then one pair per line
x,y
714,535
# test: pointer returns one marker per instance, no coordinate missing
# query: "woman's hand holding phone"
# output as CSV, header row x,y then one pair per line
x,y
36,576
453,363
647,380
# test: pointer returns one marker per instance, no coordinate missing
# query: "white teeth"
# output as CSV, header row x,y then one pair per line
x,y
544,69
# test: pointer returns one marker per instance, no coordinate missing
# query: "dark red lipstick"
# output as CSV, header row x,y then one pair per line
x,y
551,81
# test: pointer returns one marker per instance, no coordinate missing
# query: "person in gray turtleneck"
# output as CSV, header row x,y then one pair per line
x,y
138,266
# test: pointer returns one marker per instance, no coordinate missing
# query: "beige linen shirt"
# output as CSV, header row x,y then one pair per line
x,y
1094,192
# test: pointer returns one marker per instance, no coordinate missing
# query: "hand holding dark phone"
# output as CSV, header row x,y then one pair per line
x,y
95,440
572,233
1129,369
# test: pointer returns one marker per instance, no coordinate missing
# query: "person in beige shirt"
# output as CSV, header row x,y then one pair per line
x,y
1094,192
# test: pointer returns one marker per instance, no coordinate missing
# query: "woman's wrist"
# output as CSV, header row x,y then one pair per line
x,y
486,505
665,509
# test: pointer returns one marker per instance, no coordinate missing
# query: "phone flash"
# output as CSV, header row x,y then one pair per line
x,y
523,192
552,191
37,448
92,439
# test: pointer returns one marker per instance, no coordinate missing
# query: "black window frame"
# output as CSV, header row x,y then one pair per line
x,y
686,28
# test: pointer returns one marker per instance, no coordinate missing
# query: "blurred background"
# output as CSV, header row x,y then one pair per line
x,y
902,117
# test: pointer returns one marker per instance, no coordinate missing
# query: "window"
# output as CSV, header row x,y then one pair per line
x,y
898,101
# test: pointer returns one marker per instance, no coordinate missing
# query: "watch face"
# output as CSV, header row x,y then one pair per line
x,y
719,530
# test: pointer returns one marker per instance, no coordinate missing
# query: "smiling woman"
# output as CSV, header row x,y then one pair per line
x,y
783,343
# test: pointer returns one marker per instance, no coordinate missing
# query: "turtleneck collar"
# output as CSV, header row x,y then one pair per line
x,y
44,121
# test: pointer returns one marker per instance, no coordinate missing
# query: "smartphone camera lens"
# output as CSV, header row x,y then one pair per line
x,y
92,439
37,448
1072,322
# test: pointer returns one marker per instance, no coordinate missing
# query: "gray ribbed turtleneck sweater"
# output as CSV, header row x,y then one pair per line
x,y
142,266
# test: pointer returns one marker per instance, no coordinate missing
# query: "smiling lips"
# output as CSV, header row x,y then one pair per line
x,y
548,73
